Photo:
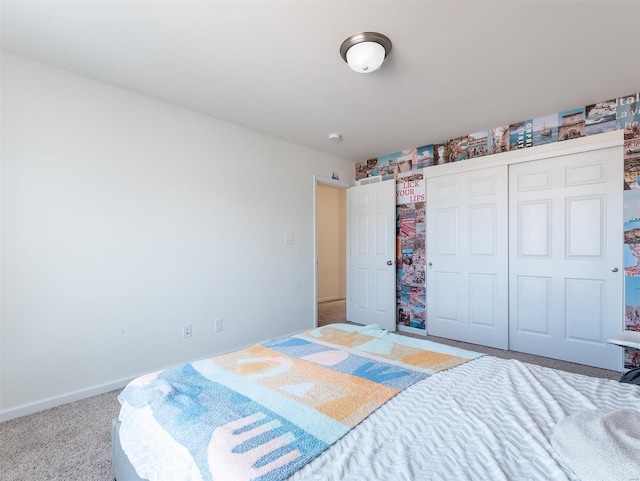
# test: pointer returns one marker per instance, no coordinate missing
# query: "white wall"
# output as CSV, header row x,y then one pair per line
x,y
124,218
332,242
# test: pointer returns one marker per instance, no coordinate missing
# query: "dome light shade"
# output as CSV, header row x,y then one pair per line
x,y
365,57
365,52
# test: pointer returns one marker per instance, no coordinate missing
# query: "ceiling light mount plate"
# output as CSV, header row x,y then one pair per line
x,y
365,51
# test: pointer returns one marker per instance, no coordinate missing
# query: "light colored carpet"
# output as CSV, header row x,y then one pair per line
x,y
66,443
72,442
530,358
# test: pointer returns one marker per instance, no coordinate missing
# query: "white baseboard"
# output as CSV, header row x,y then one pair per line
x,y
332,298
34,407
51,402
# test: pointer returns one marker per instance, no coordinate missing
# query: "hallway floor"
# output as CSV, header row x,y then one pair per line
x,y
332,311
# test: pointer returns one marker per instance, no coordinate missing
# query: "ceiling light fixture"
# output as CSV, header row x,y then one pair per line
x,y
365,52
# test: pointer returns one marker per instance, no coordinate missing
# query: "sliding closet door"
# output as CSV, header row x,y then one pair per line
x,y
565,262
467,257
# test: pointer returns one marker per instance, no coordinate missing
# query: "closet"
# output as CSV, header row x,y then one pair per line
x,y
467,262
524,250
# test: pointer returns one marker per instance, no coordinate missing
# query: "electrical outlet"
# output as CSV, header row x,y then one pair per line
x,y
186,330
218,324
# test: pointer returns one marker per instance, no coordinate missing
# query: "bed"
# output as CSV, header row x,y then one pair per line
x,y
345,402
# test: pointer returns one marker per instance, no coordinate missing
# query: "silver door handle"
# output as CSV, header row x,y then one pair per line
x,y
389,263
430,264
614,269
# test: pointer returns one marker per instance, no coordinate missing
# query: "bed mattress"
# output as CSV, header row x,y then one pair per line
x,y
488,419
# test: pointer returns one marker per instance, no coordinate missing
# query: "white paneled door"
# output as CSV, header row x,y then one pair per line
x,y
372,252
566,273
467,260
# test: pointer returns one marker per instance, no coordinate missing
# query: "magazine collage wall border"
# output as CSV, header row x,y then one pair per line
x,y
622,113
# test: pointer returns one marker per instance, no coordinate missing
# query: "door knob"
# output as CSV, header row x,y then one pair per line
x,y
389,263
430,265
614,269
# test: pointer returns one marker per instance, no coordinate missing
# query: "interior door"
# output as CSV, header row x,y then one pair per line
x,y
467,261
372,274
565,263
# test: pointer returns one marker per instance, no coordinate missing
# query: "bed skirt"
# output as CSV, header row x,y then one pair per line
x,y
121,468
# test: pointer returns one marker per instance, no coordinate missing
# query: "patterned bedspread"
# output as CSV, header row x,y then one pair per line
x,y
263,412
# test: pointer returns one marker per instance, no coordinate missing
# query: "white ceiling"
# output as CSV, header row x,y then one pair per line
x,y
456,67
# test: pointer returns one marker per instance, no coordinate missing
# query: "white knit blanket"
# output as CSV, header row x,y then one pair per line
x,y
601,444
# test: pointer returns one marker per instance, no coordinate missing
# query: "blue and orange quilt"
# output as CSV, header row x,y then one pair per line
x,y
263,412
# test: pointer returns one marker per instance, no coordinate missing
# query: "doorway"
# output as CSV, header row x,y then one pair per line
x,y
331,252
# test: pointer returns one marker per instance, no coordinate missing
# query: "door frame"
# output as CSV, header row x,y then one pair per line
x,y
320,179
